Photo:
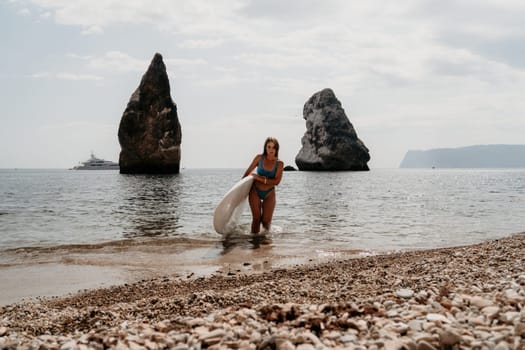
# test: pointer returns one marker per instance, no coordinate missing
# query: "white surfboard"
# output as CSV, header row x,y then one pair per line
x,y
231,206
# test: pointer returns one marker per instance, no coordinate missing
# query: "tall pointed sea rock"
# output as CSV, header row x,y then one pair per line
x,y
330,141
150,133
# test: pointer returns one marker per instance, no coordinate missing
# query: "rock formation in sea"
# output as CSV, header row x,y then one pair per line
x,y
289,168
330,142
150,133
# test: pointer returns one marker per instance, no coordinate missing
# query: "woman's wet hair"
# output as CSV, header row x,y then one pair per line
x,y
275,143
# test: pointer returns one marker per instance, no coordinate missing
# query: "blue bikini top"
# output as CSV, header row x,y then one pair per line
x,y
268,173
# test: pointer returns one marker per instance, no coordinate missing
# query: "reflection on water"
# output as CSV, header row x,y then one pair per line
x,y
327,202
247,241
149,205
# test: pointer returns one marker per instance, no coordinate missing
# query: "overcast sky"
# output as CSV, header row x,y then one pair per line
x,y
410,74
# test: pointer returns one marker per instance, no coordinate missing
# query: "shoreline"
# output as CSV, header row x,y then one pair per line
x,y
31,273
471,296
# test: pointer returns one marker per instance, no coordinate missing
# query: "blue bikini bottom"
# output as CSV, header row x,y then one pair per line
x,y
262,194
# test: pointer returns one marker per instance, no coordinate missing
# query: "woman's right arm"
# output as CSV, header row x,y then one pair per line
x,y
252,166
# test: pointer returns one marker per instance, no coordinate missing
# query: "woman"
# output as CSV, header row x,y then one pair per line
x,y
262,193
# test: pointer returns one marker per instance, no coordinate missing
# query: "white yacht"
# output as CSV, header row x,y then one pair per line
x,y
95,163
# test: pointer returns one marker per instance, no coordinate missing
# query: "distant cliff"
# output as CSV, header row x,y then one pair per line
x,y
480,156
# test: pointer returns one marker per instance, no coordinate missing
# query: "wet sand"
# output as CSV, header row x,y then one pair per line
x,y
20,283
469,297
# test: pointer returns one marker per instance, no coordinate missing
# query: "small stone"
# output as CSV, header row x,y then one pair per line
x,y
483,335
284,344
405,293
3,331
448,338
409,344
70,345
392,313
502,346
314,339
521,279
477,344
213,337
480,302
423,345
151,345
133,346
348,338
181,347
437,306
401,328
437,317
161,326
477,321
477,289
393,344
415,325
388,304
513,296
121,346
519,330
362,325
446,304
489,344
255,337
509,317
491,311
267,344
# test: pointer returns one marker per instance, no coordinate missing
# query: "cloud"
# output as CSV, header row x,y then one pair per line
x,y
167,15
93,30
66,76
24,12
291,10
180,62
41,75
491,29
389,40
79,125
201,44
221,81
77,56
116,61
75,76
462,63
120,62
353,44
45,15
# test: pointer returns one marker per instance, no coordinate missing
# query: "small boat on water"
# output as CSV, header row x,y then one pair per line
x,y
95,163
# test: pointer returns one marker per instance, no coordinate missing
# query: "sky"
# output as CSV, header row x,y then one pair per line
x,y
410,74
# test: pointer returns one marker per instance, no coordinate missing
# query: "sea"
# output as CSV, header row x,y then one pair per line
x,y
374,211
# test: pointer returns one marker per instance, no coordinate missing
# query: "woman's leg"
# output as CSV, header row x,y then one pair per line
x,y
255,206
268,206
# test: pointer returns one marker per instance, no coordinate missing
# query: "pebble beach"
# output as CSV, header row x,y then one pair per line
x,y
467,297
